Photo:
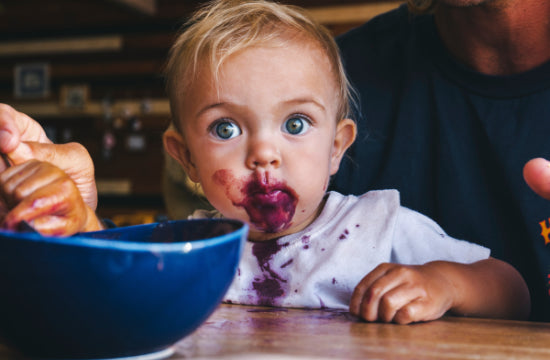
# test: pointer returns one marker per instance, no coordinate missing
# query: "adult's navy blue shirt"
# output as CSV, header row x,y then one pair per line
x,y
451,140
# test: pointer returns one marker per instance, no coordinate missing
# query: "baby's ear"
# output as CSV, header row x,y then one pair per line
x,y
176,147
346,130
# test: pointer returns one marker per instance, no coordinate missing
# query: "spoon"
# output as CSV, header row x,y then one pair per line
x,y
23,226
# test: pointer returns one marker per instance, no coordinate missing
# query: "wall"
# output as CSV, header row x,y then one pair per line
x,y
104,61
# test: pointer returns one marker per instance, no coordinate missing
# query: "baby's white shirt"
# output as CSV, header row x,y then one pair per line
x,y
320,266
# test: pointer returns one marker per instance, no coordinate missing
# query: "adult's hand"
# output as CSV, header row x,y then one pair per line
x,y
47,198
537,175
22,139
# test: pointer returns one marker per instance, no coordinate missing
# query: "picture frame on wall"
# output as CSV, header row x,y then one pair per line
x,y
32,80
74,97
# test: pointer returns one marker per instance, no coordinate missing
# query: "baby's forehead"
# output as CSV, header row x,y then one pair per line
x,y
211,66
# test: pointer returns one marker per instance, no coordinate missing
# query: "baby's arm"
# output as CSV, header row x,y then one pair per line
x,y
46,197
411,293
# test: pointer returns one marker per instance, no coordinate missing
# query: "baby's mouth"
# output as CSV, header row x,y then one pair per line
x,y
269,197
270,208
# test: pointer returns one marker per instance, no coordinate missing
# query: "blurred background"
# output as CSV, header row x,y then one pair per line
x,y
90,71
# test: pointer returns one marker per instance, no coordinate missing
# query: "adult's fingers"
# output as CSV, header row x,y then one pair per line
x,y
16,127
72,158
52,210
536,173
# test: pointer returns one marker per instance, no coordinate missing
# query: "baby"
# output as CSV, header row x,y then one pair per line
x,y
261,110
261,120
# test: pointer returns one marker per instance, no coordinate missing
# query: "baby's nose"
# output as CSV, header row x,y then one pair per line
x,y
263,153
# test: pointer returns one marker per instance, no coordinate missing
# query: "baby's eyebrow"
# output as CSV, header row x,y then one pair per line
x,y
289,102
305,100
210,106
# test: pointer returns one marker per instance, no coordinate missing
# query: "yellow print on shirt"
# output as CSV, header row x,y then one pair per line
x,y
545,231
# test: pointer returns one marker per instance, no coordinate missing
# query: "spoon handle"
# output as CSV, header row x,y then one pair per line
x,y
6,159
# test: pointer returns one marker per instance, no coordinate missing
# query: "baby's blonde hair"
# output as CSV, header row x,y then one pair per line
x,y
224,27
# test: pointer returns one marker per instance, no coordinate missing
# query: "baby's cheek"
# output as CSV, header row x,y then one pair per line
x,y
222,191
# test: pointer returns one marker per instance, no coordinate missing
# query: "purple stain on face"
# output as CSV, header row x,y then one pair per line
x,y
270,205
271,285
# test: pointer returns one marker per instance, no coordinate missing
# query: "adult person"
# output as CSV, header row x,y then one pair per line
x,y
455,100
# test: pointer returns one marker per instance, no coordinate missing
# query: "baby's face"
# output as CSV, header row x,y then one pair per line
x,y
264,141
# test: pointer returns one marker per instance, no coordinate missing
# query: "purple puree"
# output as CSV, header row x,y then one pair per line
x,y
270,206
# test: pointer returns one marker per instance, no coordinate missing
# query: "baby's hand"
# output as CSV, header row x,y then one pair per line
x,y
46,197
402,294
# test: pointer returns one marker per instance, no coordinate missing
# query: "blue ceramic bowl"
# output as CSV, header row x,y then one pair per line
x,y
120,292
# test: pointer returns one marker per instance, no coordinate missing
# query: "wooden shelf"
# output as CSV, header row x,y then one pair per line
x,y
51,109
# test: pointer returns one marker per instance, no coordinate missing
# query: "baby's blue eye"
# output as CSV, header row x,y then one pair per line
x,y
296,125
226,130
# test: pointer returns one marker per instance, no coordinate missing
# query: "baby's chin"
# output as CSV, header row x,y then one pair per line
x,y
258,235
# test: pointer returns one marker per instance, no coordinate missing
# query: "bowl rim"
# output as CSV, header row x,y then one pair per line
x,y
81,240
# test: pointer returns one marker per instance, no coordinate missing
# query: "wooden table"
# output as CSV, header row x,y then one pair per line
x,y
244,332
258,333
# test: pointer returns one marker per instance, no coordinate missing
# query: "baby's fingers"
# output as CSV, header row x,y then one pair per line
x,y
363,292
381,293
400,304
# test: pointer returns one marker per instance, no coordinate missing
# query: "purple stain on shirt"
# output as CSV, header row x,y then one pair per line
x,y
287,263
267,290
344,235
333,281
271,285
305,240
